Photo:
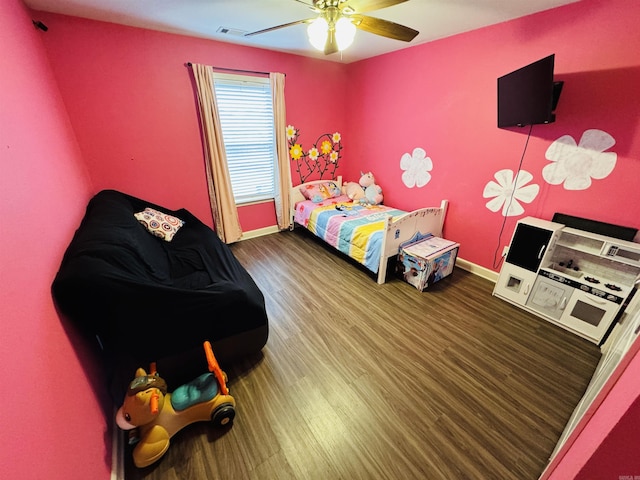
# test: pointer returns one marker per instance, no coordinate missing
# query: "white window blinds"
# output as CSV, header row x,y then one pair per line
x,y
246,116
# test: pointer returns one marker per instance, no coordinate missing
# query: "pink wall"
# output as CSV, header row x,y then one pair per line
x,y
51,419
617,458
441,97
608,446
135,113
130,102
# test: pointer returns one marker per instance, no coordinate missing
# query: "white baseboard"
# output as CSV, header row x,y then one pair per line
x,y
117,452
260,232
460,262
477,270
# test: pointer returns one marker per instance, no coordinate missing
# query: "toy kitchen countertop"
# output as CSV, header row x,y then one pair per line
x,y
583,301
598,286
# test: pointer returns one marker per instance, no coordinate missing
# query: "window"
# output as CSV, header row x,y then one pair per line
x,y
246,117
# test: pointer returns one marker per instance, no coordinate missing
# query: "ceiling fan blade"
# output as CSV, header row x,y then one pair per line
x,y
298,22
364,6
311,6
384,28
331,46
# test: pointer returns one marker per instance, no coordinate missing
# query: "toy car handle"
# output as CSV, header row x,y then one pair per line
x,y
153,404
155,396
215,368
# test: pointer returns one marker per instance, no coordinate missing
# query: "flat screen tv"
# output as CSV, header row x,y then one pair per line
x,y
528,96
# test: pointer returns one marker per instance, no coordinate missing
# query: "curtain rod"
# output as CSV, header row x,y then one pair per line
x,y
235,70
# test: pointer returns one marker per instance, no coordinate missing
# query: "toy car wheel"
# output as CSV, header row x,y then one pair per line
x,y
223,415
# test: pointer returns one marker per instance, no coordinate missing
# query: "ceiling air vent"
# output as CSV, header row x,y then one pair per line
x,y
231,31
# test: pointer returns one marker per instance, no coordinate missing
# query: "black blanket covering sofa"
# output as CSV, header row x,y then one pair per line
x,y
144,299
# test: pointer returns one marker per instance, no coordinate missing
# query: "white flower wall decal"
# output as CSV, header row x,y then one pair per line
x,y
508,187
416,168
576,165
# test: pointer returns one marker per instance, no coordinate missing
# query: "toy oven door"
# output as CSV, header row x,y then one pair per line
x,y
589,314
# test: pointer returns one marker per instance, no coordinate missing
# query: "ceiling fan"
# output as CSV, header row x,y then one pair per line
x,y
335,26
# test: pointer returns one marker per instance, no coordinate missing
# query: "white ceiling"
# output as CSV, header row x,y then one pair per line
x,y
434,19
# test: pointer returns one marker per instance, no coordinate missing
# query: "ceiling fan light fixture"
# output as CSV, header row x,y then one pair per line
x,y
345,32
337,21
317,32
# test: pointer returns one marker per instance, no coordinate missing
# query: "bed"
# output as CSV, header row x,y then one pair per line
x,y
370,235
145,298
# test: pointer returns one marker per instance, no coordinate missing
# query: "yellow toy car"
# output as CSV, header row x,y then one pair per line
x,y
153,416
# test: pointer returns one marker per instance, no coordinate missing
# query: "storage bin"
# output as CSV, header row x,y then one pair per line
x,y
423,262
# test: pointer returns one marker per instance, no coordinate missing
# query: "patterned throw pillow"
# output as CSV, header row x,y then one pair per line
x,y
320,191
159,224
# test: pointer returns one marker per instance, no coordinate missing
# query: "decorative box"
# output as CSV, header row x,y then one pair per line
x,y
425,261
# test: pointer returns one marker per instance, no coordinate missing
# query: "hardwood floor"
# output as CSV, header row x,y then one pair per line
x,y
367,381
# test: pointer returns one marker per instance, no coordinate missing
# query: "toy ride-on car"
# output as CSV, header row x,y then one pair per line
x,y
153,415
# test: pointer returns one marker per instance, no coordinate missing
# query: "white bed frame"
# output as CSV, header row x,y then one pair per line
x,y
403,228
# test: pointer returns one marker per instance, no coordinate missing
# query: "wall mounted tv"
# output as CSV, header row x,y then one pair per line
x,y
528,96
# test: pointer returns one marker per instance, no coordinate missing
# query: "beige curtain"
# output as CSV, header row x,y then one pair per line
x,y
283,170
223,205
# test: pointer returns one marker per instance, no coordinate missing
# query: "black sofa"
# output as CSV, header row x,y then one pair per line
x,y
143,299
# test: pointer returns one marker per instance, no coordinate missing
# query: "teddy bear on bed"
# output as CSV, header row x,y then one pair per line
x,y
365,192
353,190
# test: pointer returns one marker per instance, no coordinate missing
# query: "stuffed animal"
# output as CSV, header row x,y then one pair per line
x,y
154,415
372,191
365,192
353,190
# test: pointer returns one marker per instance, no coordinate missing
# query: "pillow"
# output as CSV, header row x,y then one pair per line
x,y
159,224
319,192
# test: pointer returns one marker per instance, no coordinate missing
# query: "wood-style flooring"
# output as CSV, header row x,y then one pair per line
x,y
367,381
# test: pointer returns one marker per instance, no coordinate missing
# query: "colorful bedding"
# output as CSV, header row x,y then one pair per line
x,y
355,230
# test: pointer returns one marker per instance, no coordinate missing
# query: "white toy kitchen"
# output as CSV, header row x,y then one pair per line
x,y
575,279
